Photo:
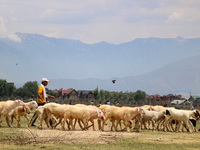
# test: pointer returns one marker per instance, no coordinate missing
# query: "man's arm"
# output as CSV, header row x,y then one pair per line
x,y
51,96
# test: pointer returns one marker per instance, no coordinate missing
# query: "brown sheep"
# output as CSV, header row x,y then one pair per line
x,y
20,111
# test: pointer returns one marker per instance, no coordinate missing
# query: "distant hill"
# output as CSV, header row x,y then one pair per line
x,y
157,65
180,77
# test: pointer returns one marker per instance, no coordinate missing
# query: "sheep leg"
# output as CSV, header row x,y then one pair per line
x,y
126,127
18,121
85,123
43,116
71,123
8,121
1,118
171,125
102,128
12,118
138,123
113,125
92,121
194,128
153,125
186,123
75,122
116,126
99,124
166,123
68,125
145,125
59,122
178,127
48,119
79,122
63,122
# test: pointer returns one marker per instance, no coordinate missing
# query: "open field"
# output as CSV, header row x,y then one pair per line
x,y
32,138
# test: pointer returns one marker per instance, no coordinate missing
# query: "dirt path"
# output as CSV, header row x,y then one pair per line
x,y
74,137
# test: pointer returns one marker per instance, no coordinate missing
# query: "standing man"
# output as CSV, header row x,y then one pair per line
x,y
41,97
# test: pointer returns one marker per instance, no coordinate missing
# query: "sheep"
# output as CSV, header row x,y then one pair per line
x,y
181,116
162,120
52,109
20,111
127,114
39,114
76,112
7,108
32,104
23,111
116,113
152,116
108,112
83,114
95,113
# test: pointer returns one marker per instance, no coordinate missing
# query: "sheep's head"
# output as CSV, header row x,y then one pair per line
x,y
150,108
26,109
100,114
34,103
197,114
141,111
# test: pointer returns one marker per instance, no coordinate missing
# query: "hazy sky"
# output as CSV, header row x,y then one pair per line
x,y
91,21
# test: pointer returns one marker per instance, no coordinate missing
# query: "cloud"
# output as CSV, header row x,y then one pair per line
x,y
4,32
113,21
2,26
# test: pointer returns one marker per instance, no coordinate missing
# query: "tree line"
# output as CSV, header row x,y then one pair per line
x,y
120,98
29,90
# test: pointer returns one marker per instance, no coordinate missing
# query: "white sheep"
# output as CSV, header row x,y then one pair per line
x,y
119,113
182,116
83,113
51,109
152,116
32,104
39,113
7,108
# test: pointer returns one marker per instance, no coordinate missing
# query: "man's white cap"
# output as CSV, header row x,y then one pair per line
x,y
45,79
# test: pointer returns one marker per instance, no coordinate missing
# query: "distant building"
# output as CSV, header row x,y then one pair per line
x,y
67,95
86,95
73,95
180,102
164,100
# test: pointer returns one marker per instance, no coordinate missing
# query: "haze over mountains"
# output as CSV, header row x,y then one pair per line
x,y
155,65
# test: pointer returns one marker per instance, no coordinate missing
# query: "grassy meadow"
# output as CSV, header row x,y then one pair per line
x,y
28,139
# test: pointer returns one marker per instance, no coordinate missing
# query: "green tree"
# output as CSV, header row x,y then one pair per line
x,y
96,94
6,89
140,97
102,95
29,89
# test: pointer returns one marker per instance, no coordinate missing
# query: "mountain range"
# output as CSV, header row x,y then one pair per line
x,y
154,65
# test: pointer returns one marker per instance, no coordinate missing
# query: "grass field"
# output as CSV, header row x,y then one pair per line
x,y
32,138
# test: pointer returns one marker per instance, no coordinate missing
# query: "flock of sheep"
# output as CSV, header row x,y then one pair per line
x,y
155,117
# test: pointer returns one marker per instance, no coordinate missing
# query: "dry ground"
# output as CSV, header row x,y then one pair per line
x,y
75,137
